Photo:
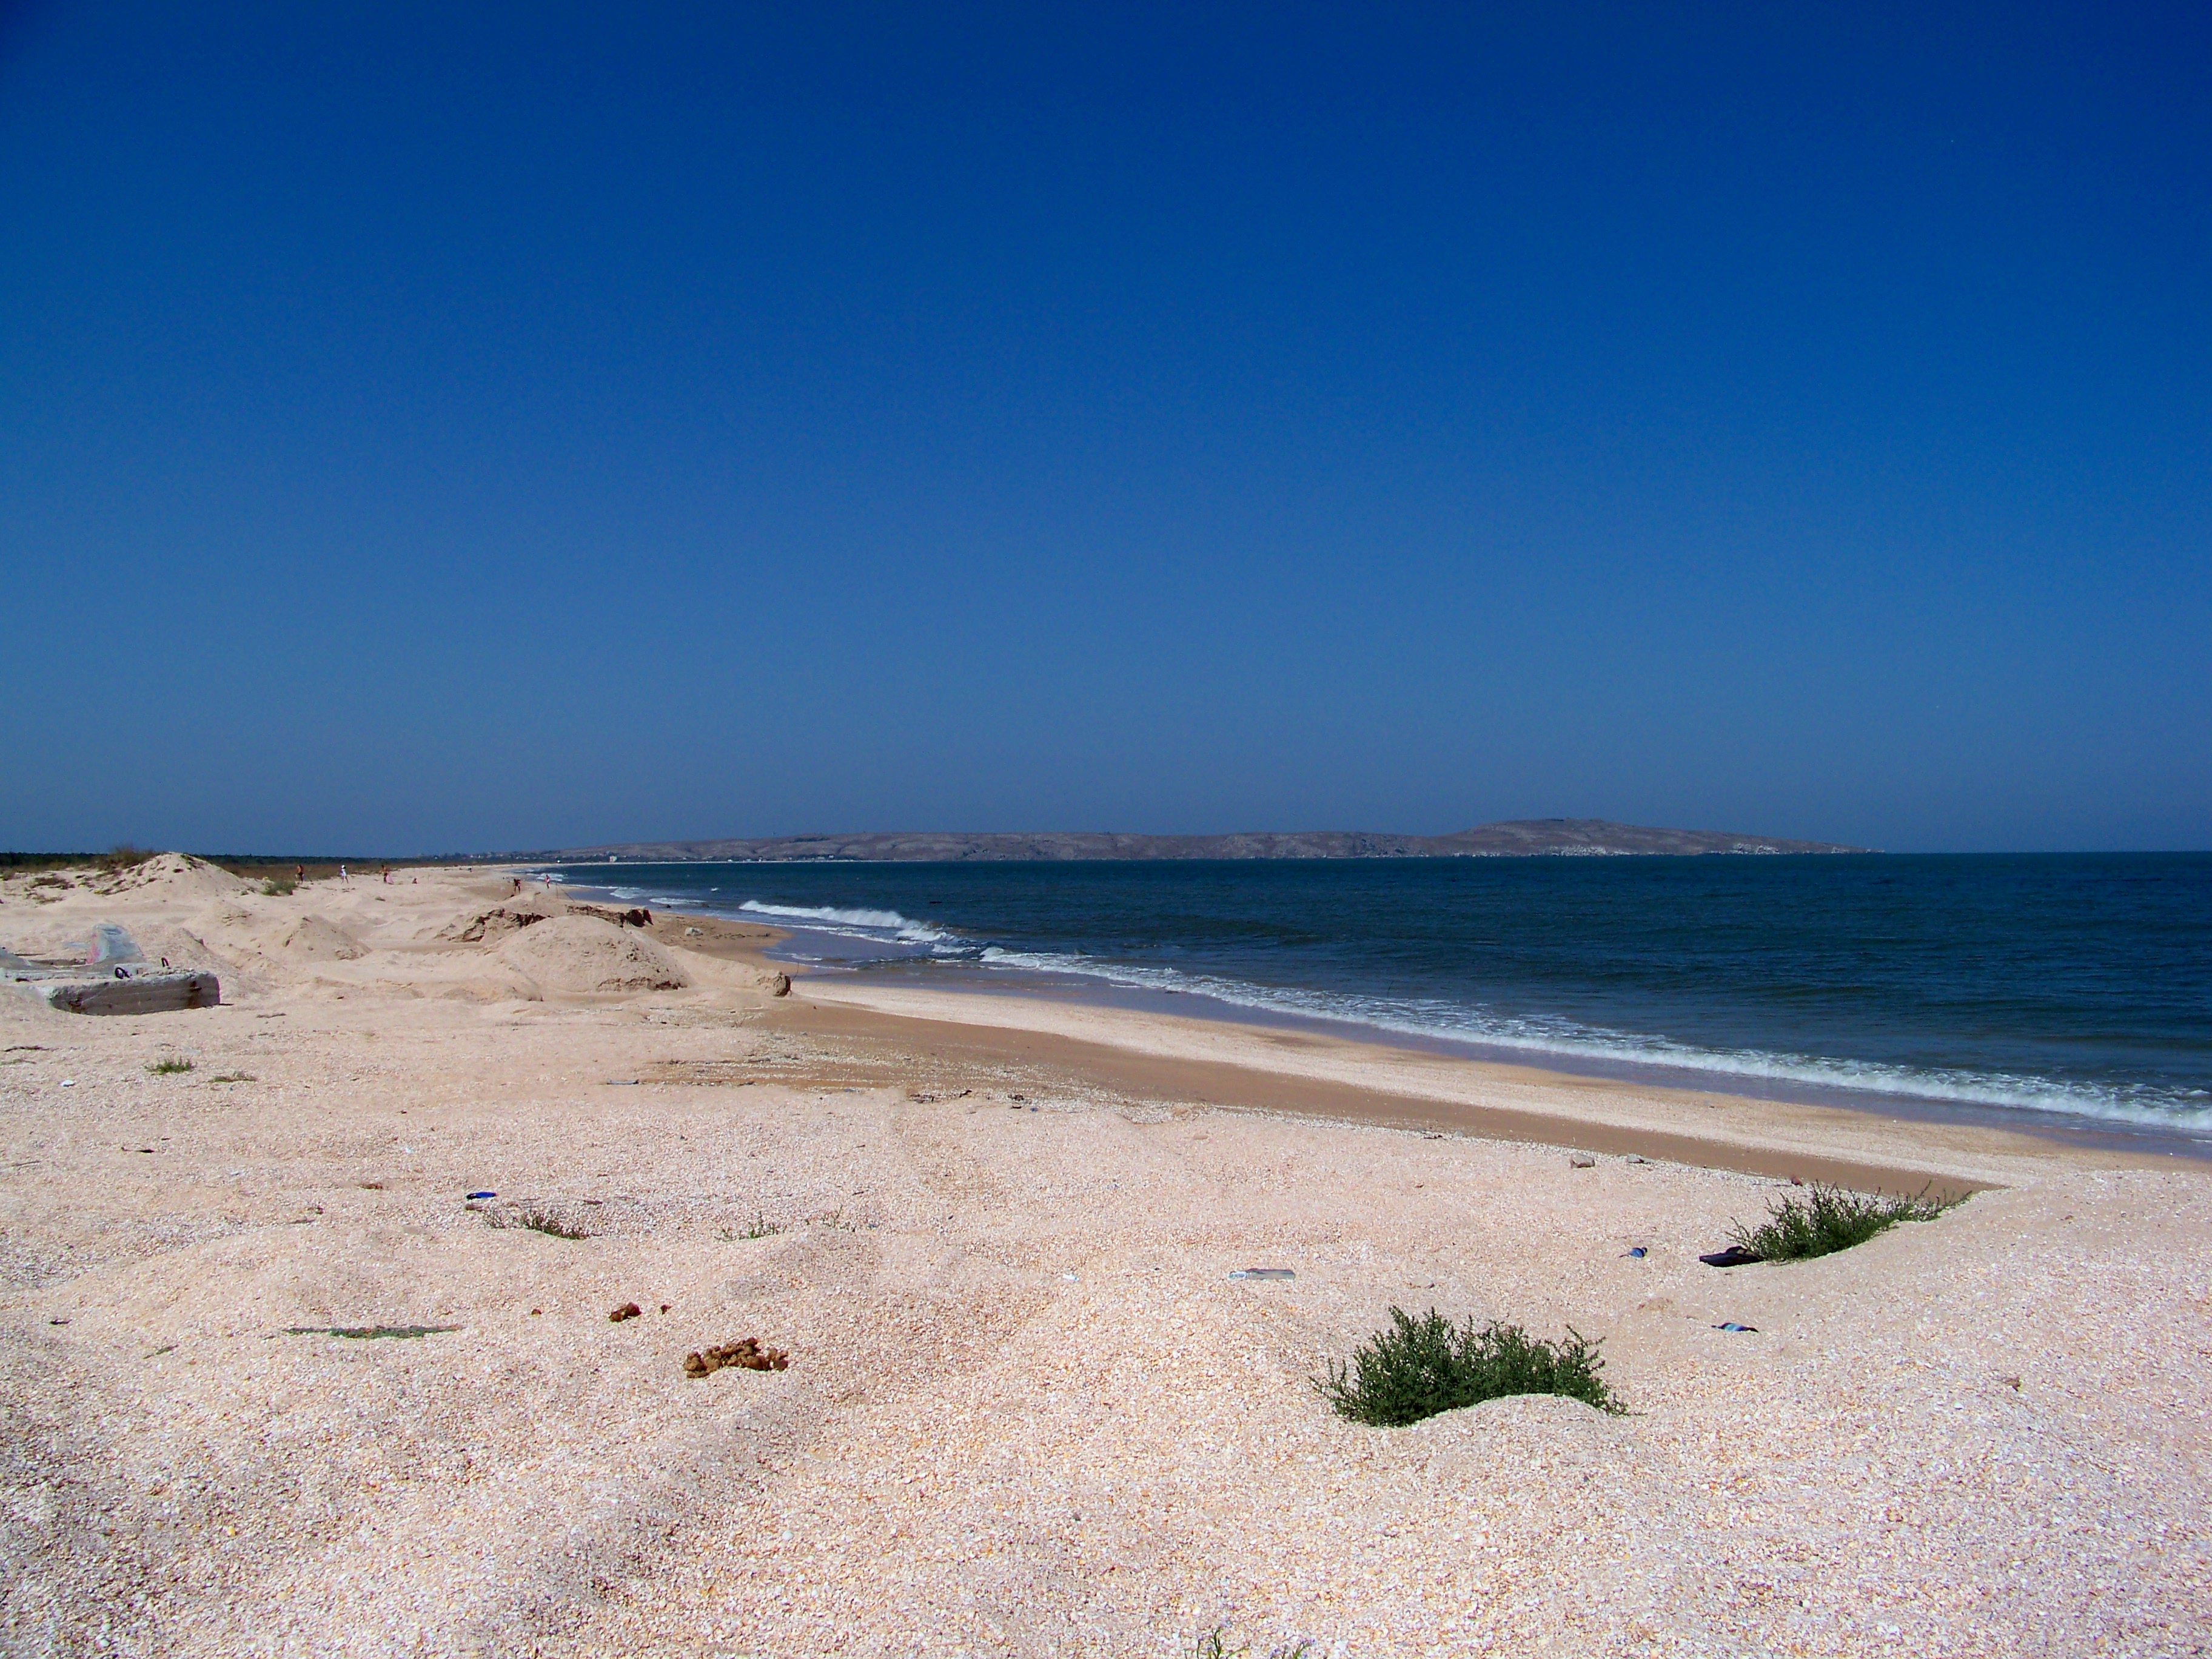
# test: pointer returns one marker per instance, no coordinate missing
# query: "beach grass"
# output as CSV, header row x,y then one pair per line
x,y
1825,1219
1419,1367
535,1217
169,1068
1214,1644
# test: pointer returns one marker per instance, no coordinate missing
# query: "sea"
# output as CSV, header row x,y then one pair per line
x,y
2070,993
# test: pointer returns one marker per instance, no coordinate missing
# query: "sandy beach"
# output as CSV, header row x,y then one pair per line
x,y
1028,1410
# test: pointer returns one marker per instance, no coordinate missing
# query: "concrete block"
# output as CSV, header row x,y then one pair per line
x,y
156,992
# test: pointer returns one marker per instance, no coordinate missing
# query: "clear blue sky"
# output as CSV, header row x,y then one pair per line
x,y
428,427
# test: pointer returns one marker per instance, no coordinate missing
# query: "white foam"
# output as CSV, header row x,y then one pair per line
x,y
852,924
2189,1112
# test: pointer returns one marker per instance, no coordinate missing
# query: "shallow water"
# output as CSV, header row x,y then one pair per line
x,y
2050,986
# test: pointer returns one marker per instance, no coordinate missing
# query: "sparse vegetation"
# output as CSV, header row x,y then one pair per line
x,y
124,856
360,1332
1214,1644
278,887
1419,1367
537,1218
171,1066
759,1227
1822,1220
233,1077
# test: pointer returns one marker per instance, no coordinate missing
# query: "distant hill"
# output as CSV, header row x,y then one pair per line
x,y
1523,838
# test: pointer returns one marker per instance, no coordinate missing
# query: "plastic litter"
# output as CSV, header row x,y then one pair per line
x,y
1734,1256
1639,1252
111,944
1263,1272
1732,1326
474,1196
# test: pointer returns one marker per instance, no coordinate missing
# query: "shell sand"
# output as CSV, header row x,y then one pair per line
x,y
272,1384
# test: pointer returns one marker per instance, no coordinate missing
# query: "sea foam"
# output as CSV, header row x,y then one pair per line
x,y
2186,1110
859,924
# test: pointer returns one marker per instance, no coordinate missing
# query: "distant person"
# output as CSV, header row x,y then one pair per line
x,y
344,878
387,875
299,875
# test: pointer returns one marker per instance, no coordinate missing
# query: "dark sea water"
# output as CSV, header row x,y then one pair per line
x,y
2052,989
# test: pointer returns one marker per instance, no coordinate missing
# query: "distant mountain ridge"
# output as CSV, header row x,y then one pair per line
x,y
1521,838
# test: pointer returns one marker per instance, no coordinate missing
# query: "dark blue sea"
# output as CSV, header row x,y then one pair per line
x,y
2058,990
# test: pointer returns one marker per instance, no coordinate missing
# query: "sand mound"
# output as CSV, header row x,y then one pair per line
x,y
175,876
579,954
492,925
321,940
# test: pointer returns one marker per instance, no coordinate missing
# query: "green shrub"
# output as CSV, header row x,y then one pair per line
x,y
277,887
1825,1219
169,1068
1419,1367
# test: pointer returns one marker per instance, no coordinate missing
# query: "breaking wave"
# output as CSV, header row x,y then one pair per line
x,y
854,924
2187,1110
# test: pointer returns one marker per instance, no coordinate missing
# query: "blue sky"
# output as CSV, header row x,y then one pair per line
x,y
449,428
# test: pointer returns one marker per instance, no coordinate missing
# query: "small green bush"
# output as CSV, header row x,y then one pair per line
x,y
278,887
169,1068
1825,1219
1419,1367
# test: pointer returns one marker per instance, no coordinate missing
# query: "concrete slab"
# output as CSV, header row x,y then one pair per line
x,y
155,992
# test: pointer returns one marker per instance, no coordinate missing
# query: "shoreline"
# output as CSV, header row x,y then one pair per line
x,y
353,1316
2013,1129
1195,1060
